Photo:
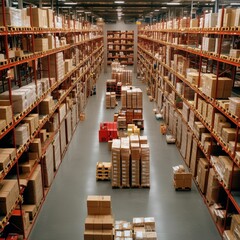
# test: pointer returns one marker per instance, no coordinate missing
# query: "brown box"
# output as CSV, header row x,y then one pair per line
x,y
43,135
4,160
229,134
3,124
31,210
39,17
33,193
41,44
9,193
46,106
202,174
36,146
6,113
31,122
89,222
36,119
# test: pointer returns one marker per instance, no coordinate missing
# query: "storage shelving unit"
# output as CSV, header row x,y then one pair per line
x,y
120,47
164,54
67,73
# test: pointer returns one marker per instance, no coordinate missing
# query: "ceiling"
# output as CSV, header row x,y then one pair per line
x,y
129,10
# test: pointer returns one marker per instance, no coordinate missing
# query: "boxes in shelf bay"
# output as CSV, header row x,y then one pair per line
x,y
213,187
208,44
235,226
229,134
51,42
5,111
40,44
31,122
99,205
196,154
56,151
192,119
50,18
209,113
39,17
22,134
202,174
224,167
225,46
13,17
44,82
36,146
3,124
68,65
199,128
62,111
53,123
235,53
184,140
46,105
218,118
228,235
43,135
189,148
210,20
9,193
48,170
185,112
205,137
227,14
234,106
33,193
63,137
209,86
68,126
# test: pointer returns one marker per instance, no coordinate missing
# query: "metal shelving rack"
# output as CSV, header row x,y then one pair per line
x,y
80,78
153,42
120,42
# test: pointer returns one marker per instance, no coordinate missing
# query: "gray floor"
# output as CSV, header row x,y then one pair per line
x,y
179,215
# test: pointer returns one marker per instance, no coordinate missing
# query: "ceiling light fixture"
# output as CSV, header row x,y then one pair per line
x,y
156,10
80,10
173,3
88,12
119,2
15,3
235,4
70,3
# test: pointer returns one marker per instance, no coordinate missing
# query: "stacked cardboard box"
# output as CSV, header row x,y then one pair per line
x,y
46,105
39,17
184,141
107,131
213,187
33,121
56,66
135,161
181,179
121,122
9,193
144,228
13,17
229,134
145,165
224,167
208,44
125,162
68,122
234,232
99,222
103,170
48,166
210,20
110,99
56,151
22,134
6,155
5,112
36,147
234,106
123,230
131,97
40,44
224,85
132,129
116,163
189,148
33,193
63,137
202,174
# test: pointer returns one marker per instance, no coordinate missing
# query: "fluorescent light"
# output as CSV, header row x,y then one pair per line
x,y
119,2
118,9
15,3
163,7
88,12
235,4
80,10
70,3
156,10
173,3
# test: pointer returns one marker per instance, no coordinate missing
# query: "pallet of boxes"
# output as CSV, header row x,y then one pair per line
x,y
99,222
182,180
140,228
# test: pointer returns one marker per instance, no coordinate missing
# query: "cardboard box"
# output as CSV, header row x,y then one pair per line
x,y
31,210
40,44
36,146
39,17
48,166
33,193
46,105
31,122
9,193
5,112
202,174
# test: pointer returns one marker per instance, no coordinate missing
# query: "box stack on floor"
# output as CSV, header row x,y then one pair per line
x,y
107,131
140,228
103,170
99,222
130,162
181,179
111,100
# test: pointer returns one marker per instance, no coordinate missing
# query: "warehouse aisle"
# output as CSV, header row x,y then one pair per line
x,y
178,215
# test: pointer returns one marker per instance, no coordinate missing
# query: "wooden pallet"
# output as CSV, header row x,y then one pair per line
x,y
182,188
3,62
99,178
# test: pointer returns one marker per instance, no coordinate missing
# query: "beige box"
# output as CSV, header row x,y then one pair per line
x,y
202,174
33,193
39,17
36,146
48,167
9,193
43,135
5,111
235,53
31,122
31,210
40,44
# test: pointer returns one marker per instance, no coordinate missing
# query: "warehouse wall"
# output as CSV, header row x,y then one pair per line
x,y
120,25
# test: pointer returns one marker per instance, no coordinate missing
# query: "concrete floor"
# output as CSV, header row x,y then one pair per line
x,y
178,215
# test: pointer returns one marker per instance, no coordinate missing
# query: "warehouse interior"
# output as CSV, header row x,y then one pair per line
x,y
119,120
